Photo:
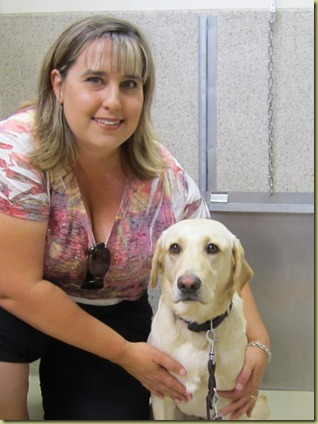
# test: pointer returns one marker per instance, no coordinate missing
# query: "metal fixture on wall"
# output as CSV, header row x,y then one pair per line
x,y
267,201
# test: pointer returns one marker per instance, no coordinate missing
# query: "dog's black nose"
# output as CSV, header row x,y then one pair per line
x,y
188,284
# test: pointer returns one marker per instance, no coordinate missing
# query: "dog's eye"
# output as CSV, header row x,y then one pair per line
x,y
212,249
175,249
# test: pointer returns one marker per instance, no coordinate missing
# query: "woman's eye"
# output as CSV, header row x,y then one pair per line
x,y
175,249
129,84
212,249
95,80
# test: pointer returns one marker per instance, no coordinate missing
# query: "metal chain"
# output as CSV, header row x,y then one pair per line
x,y
212,396
271,21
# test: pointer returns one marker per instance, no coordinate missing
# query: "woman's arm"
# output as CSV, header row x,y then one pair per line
x,y
251,375
256,330
41,304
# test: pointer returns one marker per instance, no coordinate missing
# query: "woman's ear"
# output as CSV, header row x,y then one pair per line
x,y
57,84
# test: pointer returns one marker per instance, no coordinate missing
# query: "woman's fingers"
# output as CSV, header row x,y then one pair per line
x,y
152,368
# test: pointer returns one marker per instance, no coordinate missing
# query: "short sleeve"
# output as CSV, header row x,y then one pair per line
x,y
186,198
23,187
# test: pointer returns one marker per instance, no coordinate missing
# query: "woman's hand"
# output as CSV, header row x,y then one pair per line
x,y
151,367
247,384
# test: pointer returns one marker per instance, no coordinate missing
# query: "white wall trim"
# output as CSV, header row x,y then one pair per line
x,y
40,6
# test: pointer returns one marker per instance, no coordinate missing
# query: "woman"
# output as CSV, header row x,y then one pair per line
x,y
86,190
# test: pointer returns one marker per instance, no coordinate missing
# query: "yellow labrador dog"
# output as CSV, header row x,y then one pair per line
x,y
200,319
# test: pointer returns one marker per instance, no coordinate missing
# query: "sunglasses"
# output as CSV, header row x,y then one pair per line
x,y
98,265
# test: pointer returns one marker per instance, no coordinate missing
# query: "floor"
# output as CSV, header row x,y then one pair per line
x,y
284,405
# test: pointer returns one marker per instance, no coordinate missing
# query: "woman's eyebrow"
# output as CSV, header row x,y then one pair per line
x,y
132,76
104,73
95,72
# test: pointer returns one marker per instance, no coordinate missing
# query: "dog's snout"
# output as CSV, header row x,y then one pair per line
x,y
188,284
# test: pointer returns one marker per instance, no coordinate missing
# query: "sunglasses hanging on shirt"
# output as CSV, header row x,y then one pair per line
x,y
98,265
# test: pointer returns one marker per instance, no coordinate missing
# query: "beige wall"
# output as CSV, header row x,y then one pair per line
x,y
241,86
35,6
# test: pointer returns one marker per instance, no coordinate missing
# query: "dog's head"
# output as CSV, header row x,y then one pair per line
x,y
201,265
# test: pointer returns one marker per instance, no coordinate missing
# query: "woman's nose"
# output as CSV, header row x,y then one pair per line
x,y
112,98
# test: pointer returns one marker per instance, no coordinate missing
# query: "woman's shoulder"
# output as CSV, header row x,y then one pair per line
x,y
181,189
20,122
17,129
172,164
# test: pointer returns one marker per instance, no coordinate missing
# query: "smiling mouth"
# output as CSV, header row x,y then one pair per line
x,y
107,122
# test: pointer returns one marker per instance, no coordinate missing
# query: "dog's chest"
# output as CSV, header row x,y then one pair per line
x,y
195,362
192,349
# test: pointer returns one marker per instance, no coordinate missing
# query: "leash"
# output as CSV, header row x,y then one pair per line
x,y
209,327
212,396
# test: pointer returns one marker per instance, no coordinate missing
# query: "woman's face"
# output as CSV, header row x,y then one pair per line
x,y
102,106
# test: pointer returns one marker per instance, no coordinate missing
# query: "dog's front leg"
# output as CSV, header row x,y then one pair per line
x,y
164,409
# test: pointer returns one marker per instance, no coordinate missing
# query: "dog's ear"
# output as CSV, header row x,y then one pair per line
x,y
156,266
243,273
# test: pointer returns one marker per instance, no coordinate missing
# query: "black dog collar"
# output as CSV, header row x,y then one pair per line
x,y
208,325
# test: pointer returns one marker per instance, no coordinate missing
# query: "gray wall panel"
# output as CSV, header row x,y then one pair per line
x,y
280,249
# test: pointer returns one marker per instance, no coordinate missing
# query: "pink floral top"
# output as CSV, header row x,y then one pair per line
x,y
146,210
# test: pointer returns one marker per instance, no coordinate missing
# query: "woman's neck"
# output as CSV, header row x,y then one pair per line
x,y
102,184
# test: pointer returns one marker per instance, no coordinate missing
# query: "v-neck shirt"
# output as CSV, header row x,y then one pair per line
x,y
146,210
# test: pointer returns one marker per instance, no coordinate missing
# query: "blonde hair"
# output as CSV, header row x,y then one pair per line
x,y
56,145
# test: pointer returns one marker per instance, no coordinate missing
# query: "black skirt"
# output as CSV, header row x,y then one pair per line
x,y
77,385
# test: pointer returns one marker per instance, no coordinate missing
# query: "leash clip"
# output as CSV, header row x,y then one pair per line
x,y
217,416
211,338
